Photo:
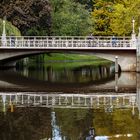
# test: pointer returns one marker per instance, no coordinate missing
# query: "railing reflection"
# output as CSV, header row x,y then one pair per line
x,y
108,102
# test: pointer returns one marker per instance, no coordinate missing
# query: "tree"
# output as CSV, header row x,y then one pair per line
x,y
114,17
10,29
88,3
101,16
121,21
70,18
28,15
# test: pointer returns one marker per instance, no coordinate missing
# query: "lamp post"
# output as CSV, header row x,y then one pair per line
x,y
3,38
133,25
133,37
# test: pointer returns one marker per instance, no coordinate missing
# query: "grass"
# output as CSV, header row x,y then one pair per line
x,y
70,61
68,57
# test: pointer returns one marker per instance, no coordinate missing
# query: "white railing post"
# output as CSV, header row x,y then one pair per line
x,y
47,42
10,42
72,42
28,42
16,42
34,41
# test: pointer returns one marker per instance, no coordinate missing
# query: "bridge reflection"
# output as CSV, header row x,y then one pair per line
x,y
108,102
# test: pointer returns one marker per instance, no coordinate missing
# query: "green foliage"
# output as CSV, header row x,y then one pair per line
x,y
114,17
28,15
70,18
88,3
121,22
101,17
10,29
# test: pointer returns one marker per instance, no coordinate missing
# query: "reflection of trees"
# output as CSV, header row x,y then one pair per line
x,y
74,74
117,122
26,124
74,123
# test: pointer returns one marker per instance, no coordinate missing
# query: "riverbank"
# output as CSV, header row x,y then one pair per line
x,y
61,60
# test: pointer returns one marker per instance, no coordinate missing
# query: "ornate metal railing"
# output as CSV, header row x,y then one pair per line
x,y
65,41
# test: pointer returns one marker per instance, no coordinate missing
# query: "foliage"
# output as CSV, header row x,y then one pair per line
x,y
88,3
28,15
101,16
10,29
114,17
121,22
70,18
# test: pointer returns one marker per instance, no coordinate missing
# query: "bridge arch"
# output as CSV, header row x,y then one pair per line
x,y
126,57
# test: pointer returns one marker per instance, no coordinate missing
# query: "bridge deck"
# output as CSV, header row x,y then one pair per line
x,y
73,48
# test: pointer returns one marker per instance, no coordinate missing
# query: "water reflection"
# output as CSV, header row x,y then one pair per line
x,y
66,74
108,102
72,115
11,80
60,116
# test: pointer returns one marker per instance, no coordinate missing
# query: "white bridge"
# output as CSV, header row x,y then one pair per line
x,y
15,47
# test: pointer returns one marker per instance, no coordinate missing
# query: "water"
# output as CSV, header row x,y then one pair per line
x,y
69,103
67,116
83,79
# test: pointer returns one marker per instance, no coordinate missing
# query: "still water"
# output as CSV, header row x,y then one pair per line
x,y
41,116
83,102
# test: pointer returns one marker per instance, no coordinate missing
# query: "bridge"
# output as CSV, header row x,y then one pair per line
x,y
13,48
127,49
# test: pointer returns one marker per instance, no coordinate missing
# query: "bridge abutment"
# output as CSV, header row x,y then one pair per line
x,y
126,59
138,52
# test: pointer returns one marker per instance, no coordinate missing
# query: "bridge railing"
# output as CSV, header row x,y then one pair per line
x,y
66,41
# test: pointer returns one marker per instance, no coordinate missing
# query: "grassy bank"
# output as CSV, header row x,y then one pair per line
x,y
70,57
59,61
71,65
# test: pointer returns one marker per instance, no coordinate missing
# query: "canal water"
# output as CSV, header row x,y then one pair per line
x,y
67,101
